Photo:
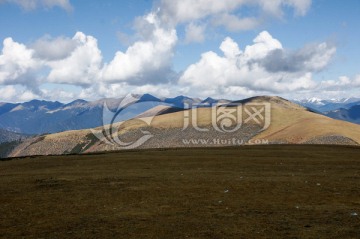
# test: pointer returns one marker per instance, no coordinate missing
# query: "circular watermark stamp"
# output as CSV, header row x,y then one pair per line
x,y
224,118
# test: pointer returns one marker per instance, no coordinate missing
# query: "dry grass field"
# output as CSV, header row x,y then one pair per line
x,y
274,191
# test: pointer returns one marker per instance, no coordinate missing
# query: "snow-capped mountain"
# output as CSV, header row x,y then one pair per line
x,y
321,105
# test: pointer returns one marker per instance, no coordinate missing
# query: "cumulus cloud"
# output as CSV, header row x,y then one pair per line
x,y
33,4
103,90
158,90
275,7
81,67
263,67
252,70
194,33
311,58
263,44
343,87
188,10
49,48
147,60
17,64
8,93
75,61
234,23
260,68
343,83
12,93
59,93
222,11
230,48
78,60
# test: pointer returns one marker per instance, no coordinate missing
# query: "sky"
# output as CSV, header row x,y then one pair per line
x,y
62,50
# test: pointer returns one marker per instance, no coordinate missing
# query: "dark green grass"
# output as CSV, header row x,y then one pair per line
x,y
278,191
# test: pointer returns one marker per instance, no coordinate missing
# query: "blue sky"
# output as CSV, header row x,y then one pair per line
x,y
68,49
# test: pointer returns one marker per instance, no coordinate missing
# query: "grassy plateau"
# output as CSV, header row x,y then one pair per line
x,y
274,191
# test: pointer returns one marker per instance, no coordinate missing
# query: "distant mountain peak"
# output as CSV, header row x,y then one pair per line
x,y
78,101
148,97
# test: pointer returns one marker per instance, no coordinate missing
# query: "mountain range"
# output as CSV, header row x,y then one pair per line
x,y
328,105
42,117
46,119
351,114
290,124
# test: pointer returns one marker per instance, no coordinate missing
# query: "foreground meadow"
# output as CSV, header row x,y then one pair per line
x,y
279,191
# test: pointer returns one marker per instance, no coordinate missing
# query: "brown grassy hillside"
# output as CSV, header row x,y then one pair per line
x,y
290,123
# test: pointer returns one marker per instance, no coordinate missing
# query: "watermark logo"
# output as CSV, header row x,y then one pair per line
x,y
224,118
113,121
258,113
229,118
223,142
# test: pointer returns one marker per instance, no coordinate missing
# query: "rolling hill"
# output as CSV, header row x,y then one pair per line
x,y
44,117
290,124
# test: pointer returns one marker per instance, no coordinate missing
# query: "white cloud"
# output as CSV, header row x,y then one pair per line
x,y
245,70
59,94
188,10
33,4
102,90
76,61
264,43
158,90
147,60
357,80
230,48
146,65
311,58
27,95
343,87
318,55
263,67
7,93
49,48
17,63
234,23
81,67
13,93
238,92
301,6
274,7
194,33
343,83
